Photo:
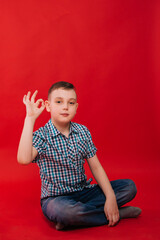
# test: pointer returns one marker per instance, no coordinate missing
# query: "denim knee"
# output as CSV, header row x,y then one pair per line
x,y
65,212
132,189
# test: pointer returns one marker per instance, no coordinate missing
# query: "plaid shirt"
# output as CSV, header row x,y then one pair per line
x,y
61,159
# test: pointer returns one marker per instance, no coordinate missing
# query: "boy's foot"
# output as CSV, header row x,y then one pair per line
x,y
59,226
129,212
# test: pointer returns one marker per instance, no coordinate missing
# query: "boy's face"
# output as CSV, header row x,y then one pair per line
x,y
62,104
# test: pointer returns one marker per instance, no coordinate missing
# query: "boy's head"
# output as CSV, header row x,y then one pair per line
x,y
61,84
62,102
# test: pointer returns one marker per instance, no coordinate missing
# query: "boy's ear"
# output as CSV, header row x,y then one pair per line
x,y
76,106
47,104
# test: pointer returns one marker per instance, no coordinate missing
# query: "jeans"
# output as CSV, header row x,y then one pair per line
x,y
86,207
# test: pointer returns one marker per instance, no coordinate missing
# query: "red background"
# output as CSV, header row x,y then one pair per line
x,y
110,51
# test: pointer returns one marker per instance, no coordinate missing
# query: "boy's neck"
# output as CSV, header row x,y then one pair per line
x,y
63,128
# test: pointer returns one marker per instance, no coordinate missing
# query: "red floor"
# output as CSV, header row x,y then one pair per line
x,y
21,216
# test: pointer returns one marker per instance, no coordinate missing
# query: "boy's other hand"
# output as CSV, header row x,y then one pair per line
x,y
111,210
32,107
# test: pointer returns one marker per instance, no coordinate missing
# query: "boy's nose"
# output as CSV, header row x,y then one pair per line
x,y
65,106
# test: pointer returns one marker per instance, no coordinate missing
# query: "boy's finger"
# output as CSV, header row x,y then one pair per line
x,y
114,220
110,224
42,107
106,216
111,221
24,99
28,96
118,217
39,101
33,96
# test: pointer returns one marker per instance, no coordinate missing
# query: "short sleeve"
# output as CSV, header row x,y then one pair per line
x,y
91,149
39,143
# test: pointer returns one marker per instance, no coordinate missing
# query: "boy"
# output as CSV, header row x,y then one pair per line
x,y
60,149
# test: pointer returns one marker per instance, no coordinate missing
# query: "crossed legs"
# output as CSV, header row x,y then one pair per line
x,y
86,207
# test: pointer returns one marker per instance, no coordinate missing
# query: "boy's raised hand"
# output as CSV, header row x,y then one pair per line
x,y
32,107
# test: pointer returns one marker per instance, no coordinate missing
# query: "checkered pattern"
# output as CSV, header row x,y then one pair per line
x,y
61,159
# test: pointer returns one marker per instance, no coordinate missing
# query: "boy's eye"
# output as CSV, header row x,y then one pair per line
x,y
58,101
71,102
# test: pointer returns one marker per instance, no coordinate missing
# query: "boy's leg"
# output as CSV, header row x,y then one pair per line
x,y
86,208
125,190
69,211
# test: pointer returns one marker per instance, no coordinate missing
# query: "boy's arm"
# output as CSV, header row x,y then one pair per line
x,y
26,152
110,207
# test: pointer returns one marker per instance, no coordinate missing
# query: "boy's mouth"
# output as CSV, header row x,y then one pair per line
x,y
64,114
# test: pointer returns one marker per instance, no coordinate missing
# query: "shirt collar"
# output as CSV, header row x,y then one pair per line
x,y
73,128
54,131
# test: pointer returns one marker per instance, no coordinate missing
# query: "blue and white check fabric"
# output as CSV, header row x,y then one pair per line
x,y
61,159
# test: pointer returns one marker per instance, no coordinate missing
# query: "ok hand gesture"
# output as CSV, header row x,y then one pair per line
x,y
32,107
